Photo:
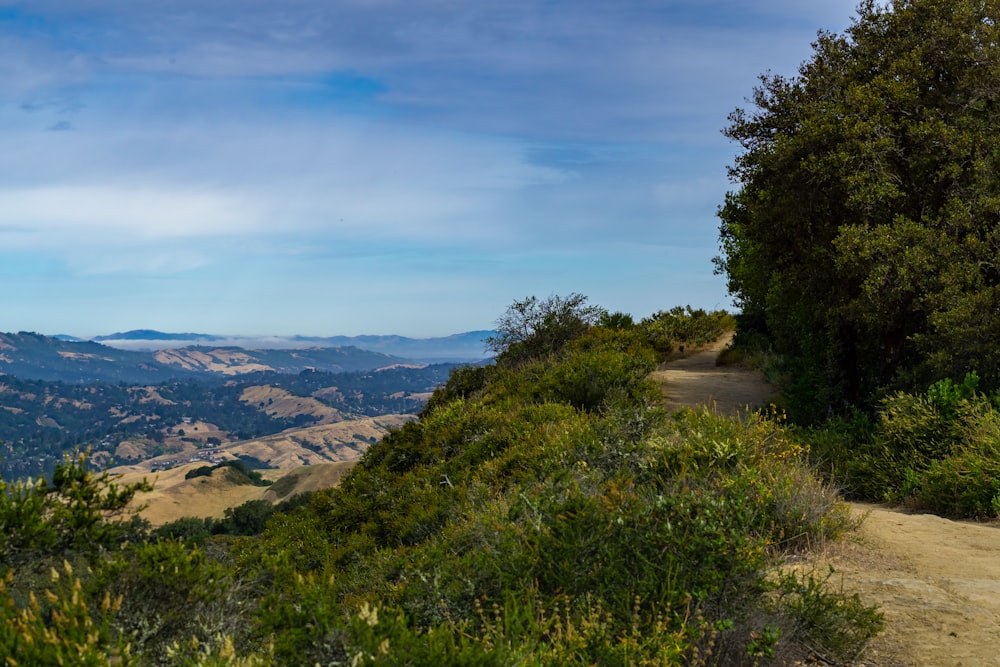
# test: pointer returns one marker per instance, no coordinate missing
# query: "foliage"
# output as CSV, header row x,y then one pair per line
x,y
547,511
862,240
834,628
670,330
169,592
938,450
464,382
59,626
555,529
76,511
534,327
250,518
200,471
240,473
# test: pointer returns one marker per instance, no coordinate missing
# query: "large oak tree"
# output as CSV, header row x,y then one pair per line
x,y
863,240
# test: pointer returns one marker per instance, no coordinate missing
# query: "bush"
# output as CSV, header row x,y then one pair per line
x,y
533,327
966,483
241,473
200,471
938,450
59,626
77,511
168,592
546,511
683,326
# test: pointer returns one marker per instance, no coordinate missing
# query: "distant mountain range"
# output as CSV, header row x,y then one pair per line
x,y
149,357
468,346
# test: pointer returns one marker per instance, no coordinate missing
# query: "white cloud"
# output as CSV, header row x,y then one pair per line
x,y
243,158
331,180
115,215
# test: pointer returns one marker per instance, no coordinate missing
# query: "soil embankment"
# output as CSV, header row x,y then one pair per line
x,y
937,581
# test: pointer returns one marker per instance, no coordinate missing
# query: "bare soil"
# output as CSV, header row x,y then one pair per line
x,y
937,581
695,380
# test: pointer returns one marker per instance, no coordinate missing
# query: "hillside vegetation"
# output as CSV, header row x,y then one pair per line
x,y
543,510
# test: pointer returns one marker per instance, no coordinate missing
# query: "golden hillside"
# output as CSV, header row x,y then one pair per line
x,y
300,460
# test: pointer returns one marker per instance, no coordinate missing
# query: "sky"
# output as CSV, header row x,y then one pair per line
x,y
344,167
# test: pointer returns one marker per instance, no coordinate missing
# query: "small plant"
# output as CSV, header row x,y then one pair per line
x,y
833,626
60,625
937,450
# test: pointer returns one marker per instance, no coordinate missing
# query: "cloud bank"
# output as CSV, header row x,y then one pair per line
x,y
369,166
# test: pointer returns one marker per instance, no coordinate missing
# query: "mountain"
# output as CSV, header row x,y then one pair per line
x,y
460,347
238,361
152,334
36,357
127,424
468,346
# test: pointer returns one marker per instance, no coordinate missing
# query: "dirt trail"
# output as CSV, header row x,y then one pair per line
x,y
937,581
696,380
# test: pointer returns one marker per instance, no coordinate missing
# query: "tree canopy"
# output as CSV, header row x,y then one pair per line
x,y
863,241
533,327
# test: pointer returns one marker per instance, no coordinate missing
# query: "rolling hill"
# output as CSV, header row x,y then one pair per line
x,y
297,460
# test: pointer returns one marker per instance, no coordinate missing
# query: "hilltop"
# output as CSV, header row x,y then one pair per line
x,y
294,461
544,509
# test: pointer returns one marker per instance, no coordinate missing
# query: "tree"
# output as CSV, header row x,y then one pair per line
x,y
78,511
534,327
863,240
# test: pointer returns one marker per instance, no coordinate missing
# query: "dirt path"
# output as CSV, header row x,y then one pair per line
x,y
696,380
937,581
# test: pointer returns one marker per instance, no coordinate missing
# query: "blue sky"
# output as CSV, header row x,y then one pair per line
x,y
325,167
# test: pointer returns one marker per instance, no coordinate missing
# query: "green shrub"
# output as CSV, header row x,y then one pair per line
x,y
59,625
533,328
238,469
682,326
938,451
464,382
967,482
833,627
77,511
189,529
169,592
545,511
200,471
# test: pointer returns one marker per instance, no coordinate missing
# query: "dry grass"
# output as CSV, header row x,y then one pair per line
x,y
174,497
315,458
280,404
